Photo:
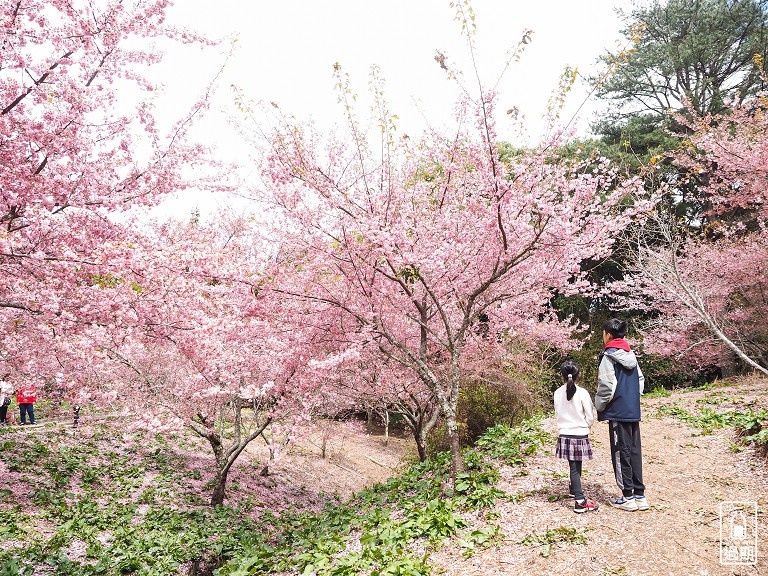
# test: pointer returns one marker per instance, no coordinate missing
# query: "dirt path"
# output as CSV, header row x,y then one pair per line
x,y
687,476
354,460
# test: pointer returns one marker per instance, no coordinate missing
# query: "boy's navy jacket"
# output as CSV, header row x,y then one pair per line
x,y
620,383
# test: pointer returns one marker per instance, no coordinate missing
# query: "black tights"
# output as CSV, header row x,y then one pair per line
x,y
575,466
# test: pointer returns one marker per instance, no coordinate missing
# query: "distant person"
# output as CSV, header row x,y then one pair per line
x,y
26,396
575,415
78,398
620,383
6,390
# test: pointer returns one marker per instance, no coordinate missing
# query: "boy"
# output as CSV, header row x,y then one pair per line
x,y
620,383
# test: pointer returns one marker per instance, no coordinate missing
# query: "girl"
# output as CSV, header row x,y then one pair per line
x,y
574,413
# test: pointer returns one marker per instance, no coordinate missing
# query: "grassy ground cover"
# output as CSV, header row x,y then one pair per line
x,y
115,503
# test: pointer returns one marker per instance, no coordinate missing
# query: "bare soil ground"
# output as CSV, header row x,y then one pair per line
x,y
354,459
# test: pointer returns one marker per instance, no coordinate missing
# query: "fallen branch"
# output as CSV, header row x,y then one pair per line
x,y
347,469
377,462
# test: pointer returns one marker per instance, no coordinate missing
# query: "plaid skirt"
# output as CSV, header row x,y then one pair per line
x,y
573,448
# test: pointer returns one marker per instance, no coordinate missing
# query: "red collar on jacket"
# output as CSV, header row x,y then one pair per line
x,y
619,343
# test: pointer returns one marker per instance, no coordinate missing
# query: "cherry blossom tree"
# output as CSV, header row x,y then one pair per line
x,y
408,245
705,297
728,152
709,289
202,343
383,387
73,153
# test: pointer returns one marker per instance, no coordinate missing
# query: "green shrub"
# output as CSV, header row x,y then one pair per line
x,y
506,396
481,406
665,372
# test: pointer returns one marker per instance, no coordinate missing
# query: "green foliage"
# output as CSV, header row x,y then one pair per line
x,y
511,445
482,405
480,538
705,53
485,404
13,521
659,371
14,567
545,540
87,495
658,393
95,499
706,420
665,372
751,425
716,400
759,439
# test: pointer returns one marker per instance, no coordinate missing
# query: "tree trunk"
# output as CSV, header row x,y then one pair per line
x,y
457,464
415,423
217,498
421,445
369,419
226,457
449,403
386,427
420,421
324,441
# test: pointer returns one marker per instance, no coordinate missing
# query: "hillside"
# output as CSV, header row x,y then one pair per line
x,y
68,495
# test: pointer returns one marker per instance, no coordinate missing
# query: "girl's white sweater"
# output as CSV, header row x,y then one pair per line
x,y
574,416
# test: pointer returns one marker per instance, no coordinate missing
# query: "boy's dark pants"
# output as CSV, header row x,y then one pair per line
x,y
626,457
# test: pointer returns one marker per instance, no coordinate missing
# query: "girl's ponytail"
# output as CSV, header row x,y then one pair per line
x,y
570,388
570,371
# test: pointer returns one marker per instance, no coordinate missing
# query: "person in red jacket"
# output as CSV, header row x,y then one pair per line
x,y
26,396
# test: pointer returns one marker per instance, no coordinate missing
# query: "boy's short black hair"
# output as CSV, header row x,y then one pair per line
x,y
616,328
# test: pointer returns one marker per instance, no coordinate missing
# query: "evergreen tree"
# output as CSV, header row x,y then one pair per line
x,y
703,52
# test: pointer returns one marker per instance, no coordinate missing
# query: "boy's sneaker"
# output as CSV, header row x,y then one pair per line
x,y
624,503
585,506
641,503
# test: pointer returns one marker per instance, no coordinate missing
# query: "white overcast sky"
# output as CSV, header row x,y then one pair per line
x,y
286,49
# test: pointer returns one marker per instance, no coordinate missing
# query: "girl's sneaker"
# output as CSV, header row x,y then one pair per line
x,y
641,503
624,503
585,506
